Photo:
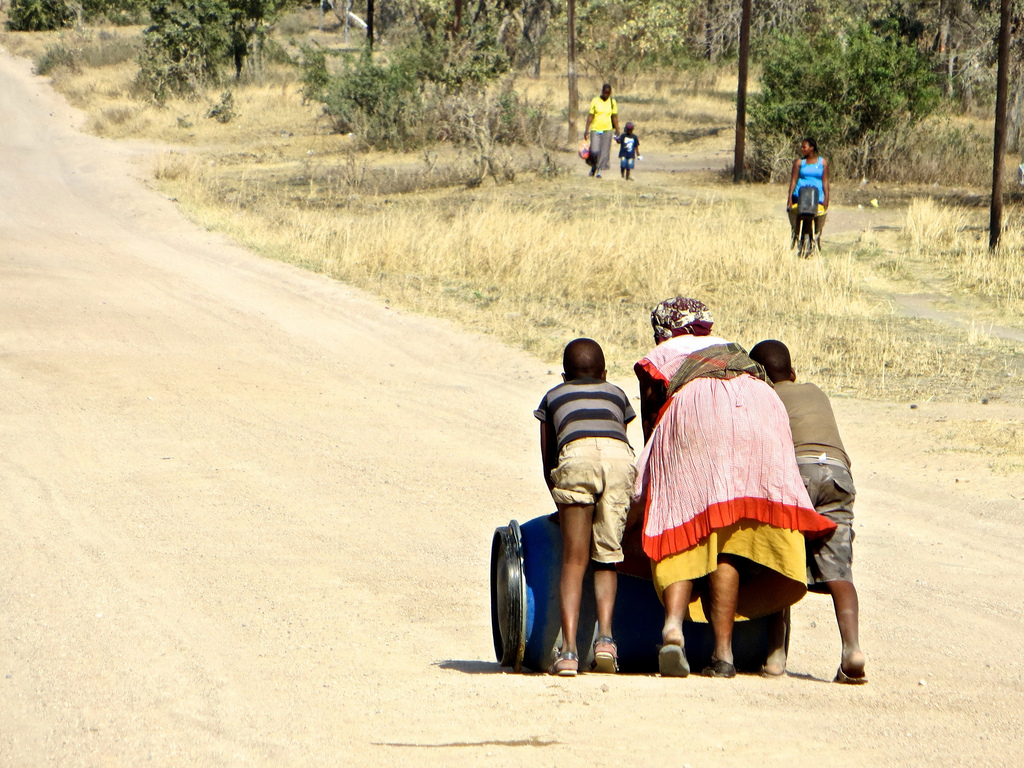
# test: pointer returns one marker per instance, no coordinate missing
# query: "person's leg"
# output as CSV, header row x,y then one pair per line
x,y
575,521
672,656
677,599
775,665
606,584
604,163
725,590
844,596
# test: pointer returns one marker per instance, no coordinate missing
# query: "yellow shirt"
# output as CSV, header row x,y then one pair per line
x,y
602,111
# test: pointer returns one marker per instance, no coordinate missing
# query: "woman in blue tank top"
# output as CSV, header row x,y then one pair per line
x,y
809,170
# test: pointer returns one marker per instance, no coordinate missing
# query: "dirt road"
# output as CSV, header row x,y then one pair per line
x,y
245,515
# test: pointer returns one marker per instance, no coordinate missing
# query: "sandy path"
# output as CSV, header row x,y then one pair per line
x,y
245,515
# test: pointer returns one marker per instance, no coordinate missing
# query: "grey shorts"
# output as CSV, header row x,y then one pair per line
x,y
830,558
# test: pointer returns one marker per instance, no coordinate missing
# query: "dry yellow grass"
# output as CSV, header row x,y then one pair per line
x,y
930,225
1001,441
957,243
539,269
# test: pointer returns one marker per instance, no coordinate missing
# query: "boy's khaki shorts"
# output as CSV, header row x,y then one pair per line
x,y
598,471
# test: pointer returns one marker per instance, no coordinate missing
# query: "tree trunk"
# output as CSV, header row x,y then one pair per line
x,y
995,225
741,95
369,23
574,94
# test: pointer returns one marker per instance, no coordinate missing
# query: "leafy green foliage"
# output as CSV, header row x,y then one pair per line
x,y
314,75
379,102
182,47
852,92
626,36
249,27
387,103
121,12
39,15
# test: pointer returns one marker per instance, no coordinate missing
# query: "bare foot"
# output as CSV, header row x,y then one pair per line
x,y
853,664
672,636
775,666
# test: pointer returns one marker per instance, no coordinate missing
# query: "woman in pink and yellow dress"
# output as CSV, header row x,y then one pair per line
x,y
719,485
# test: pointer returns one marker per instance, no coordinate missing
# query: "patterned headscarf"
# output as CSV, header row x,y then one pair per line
x,y
679,316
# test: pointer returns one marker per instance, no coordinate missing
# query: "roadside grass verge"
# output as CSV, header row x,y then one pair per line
x,y
955,240
540,264
1001,442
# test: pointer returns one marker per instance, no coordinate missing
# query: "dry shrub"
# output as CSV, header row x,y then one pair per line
x,y
997,275
930,225
172,166
108,50
938,151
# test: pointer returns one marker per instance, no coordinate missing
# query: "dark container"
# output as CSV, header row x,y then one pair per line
x,y
526,563
807,201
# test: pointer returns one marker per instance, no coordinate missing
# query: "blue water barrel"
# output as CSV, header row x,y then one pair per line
x,y
526,564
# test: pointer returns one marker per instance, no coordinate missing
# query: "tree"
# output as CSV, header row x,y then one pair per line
x,y
250,25
39,15
850,91
183,46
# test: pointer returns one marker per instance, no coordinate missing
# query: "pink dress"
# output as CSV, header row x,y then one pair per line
x,y
721,453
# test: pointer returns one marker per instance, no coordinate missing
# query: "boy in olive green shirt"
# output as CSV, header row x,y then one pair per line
x,y
825,469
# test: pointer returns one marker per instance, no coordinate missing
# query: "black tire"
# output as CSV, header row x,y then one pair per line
x,y
508,596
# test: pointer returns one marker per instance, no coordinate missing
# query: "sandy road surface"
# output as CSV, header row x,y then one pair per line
x,y
245,515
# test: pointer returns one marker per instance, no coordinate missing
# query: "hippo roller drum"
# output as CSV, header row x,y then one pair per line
x,y
526,624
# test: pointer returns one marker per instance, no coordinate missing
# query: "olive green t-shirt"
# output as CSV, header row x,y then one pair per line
x,y
811,420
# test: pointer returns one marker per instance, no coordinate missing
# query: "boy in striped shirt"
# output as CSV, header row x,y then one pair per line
x,y
590,470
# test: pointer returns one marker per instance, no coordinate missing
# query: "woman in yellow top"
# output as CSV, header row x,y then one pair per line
x,y
602,125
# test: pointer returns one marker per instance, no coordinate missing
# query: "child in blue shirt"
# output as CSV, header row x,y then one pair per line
x,y
630,146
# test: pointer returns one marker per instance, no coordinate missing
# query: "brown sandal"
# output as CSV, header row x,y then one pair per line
x,y
845,679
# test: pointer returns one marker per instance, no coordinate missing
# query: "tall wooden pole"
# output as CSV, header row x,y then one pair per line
x,y
458,16
741,95
369,23
574,94
995,223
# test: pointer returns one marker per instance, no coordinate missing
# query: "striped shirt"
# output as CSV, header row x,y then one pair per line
x,y
586,408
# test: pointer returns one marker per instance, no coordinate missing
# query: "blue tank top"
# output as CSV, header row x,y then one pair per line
x,y
811,175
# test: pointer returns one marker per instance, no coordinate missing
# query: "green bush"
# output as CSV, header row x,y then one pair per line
x,y
183,47
853,92
39,15
118,12
514,119
379,102
313,74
